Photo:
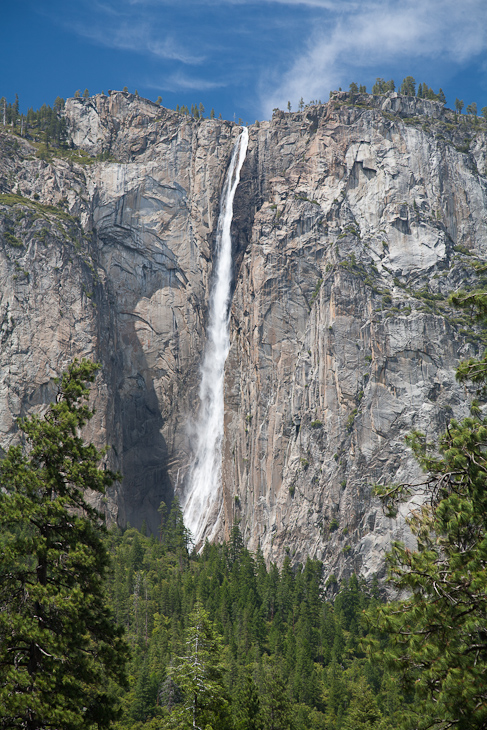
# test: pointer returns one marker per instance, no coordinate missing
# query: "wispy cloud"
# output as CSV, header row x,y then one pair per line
x,y
180,81
128,35
379,35
325,4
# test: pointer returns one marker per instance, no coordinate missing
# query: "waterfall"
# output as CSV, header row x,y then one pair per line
x,y
204,483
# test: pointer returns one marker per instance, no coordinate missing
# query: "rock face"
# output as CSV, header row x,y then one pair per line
x,y
352,223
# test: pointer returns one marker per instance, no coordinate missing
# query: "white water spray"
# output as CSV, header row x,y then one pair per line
x,y
206,471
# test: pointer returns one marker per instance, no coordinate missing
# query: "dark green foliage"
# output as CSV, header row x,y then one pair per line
x,y
59,646
363,713
173,533
145,696
276,711
408,87
246,711
424,92
198,672
438,635
382,87
379,87
59,104
278,654
45,125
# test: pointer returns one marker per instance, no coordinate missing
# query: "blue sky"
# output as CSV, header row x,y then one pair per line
x,y
242,58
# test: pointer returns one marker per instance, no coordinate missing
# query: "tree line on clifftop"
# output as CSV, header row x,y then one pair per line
x,y
407,88
48,125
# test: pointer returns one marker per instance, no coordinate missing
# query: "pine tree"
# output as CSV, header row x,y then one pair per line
x,y
459,105
363,713
408,86
170,694
246,712
59,103
59,646
334,694
276,704
305,684
16,109
199,676
379,87
174,535
145,694
236,545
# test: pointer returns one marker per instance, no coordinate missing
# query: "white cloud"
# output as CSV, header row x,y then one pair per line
x,y
128,35
326,4
379,35
181,81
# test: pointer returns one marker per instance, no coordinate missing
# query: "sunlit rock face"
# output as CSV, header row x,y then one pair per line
x,y
352,223
342,338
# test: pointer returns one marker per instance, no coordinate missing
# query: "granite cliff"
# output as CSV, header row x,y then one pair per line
x,y
352,223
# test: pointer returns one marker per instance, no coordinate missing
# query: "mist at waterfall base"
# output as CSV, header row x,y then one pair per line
x,y
205,475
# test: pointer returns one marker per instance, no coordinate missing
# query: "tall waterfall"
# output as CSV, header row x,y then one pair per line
x,y
204,486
